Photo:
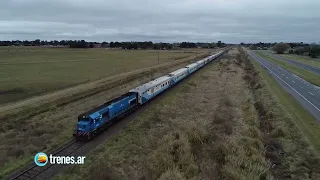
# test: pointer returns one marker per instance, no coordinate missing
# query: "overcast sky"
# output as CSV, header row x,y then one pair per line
x,y
232,21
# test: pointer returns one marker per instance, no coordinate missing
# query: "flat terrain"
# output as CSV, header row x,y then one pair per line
x,y
30,71
303,73
303,59
303,119
223,122
304,92
301,64
49,120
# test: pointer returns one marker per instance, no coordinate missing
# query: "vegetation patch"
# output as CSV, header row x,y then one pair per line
x,y
44,70
207,127
25,132
286,148
307,75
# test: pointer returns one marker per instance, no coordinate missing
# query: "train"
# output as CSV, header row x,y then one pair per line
x,y
93,122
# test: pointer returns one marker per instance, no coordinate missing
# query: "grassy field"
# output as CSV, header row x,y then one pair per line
x,y
303,59
290,132
47,121
29,71
223,122
303,119
206,127
307,75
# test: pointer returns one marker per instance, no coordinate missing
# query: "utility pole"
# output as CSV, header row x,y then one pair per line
x,y
158,54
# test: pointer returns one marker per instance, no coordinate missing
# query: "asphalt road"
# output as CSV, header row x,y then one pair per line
x,y
307,94
298,64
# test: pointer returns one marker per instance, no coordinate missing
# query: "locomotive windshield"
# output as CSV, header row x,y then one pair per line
x,y
84,119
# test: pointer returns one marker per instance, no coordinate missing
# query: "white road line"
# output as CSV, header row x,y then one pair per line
x,y
310,93
287,77
293,82
294,89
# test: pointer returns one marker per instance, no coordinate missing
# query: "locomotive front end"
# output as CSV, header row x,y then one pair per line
x,y
83,129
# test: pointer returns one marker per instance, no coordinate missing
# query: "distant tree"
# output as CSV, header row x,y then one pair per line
x,y
280,48
219,44
291,51
300,50
26,43
314,51
55,43
36,42
63,43
117,44
104,44
112,45
78,44
91,45
156,46
253,47
188,45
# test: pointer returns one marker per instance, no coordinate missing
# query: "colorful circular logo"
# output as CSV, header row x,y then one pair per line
x,y
41,159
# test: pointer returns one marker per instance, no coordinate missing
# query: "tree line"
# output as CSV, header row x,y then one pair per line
x,y
299,48
123,45
312,50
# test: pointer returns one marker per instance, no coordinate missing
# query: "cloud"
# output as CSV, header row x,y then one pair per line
x,y
180,20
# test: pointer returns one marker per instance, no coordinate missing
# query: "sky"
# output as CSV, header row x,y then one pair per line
x,y
231,21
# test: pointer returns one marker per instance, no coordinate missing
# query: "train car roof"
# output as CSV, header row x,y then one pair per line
x,y
200,61
191,65
176,72
92,113
150,84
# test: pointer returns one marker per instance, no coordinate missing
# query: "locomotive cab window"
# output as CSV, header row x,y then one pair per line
x,y
84,119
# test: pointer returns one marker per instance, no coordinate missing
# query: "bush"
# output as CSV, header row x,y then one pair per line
x,y
314,51
280,48
300,50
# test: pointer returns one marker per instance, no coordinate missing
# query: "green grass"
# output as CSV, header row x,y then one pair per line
x,y
219,137
30,71
303,59
292,153
307,124
307,75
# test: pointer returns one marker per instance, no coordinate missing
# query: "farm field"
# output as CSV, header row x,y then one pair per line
x,y
217,123
47,125
31,71
306,75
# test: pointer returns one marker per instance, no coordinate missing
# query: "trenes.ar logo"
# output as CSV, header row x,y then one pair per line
x,y
41,159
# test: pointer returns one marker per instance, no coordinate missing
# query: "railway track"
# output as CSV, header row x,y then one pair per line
x,y
34,171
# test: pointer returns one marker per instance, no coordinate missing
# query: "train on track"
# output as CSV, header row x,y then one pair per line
x,y
98,119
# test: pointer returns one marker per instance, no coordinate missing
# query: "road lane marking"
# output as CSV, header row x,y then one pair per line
x,y
310,93
294,89
293,82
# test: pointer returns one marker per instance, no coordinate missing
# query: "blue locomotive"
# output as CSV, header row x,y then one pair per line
x,y
98,119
